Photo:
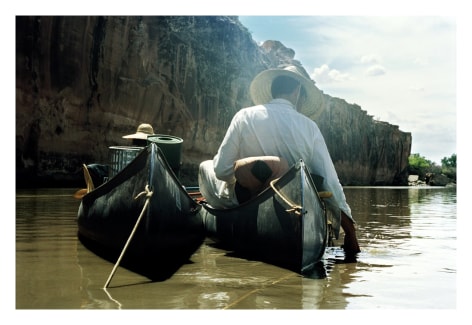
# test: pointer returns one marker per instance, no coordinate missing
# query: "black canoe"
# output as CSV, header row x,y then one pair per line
x,y
171,228
285,225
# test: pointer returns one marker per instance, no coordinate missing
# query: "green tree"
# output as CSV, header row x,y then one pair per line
x,y
418,165
449,161
448,166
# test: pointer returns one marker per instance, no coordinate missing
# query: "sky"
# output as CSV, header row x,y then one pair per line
x,y
399,69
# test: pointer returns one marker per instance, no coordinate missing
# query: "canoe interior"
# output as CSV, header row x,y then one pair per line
x,y
285,225
170,231
269,229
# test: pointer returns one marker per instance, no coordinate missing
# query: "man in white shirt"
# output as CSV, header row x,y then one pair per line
x,y
276,127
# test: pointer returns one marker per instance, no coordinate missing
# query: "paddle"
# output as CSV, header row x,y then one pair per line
x,y
88,181
148,194
80,193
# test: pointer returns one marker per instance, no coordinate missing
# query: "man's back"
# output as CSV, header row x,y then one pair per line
x,y
276,129
273,129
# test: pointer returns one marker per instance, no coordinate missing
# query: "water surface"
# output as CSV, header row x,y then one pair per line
x,y
408,261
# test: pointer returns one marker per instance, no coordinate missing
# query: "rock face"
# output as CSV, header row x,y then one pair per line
x,y
83,82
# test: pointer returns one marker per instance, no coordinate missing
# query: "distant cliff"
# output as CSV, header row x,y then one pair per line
x,y
83,82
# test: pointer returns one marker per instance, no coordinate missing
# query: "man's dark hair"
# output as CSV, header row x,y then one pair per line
x,y
283,85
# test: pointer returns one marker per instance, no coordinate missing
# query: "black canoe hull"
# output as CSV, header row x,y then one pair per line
x,y
286,225
170,231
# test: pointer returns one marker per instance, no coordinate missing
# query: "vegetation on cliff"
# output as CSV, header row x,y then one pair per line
x,y
424,168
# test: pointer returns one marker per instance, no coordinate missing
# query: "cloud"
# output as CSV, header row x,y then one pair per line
x,y
416,88
325,75
401,64
370,59
375,70
421,61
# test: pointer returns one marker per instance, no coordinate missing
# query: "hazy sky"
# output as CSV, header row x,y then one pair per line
x,y
399,69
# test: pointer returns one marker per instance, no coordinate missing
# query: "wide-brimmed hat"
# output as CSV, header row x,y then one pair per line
x,y
260,89
143,131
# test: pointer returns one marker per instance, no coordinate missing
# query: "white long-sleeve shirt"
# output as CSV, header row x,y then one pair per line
x,y
277,129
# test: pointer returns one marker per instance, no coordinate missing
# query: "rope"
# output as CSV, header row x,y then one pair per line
x,y
325,194
293,207
296,208
148,194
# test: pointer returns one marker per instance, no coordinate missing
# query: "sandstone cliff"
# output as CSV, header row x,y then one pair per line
x,y
83,82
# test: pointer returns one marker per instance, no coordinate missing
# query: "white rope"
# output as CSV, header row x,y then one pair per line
x,y
297,209
148,194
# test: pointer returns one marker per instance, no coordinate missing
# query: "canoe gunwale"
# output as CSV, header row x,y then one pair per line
x,y
284,225
290,211
170,231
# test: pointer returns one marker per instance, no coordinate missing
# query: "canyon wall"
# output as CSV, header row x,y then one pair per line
x,y
83,82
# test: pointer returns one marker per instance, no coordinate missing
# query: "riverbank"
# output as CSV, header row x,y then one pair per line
x,y
431,180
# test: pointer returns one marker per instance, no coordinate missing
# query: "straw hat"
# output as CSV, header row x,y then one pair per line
x,y
260,89
144,130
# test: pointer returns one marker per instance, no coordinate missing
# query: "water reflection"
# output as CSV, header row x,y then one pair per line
x,y
407,236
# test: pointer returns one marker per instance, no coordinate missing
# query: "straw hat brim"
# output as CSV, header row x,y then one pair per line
x,y
260,91
142,132
139,135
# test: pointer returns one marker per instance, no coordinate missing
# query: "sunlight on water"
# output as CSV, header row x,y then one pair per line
x,y
408,261
409,249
